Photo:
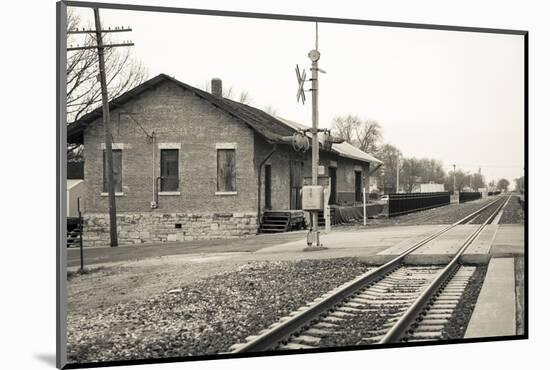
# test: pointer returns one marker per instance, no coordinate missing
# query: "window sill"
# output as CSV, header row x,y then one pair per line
x,y
226,193
117,194
169,193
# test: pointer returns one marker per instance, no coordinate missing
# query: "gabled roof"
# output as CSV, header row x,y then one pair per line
x,y
270,127
266,125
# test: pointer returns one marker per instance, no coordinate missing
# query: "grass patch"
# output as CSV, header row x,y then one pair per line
x,y
84,271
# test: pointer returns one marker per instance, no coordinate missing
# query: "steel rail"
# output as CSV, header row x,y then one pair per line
x,y
283,330
409,318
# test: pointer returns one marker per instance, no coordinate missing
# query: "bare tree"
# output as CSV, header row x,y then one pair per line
x,y
478,181
411,173
345,127
458,178
503,184
369,134
83,87
390,155
364,134
245,98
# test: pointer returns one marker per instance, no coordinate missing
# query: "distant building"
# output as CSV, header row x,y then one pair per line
x,y
432,188
218,165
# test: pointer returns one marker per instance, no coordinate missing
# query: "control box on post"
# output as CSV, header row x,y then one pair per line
x,y
312,198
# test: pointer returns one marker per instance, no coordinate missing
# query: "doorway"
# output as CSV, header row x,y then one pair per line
x,y
332,174
296,179
358,186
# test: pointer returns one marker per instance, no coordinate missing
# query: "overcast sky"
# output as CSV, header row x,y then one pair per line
x,y
454,96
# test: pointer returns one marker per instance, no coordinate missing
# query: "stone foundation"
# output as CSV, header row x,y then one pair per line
x,y
137,228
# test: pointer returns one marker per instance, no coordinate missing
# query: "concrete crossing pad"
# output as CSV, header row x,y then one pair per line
x,y
493,238
478,251
495,311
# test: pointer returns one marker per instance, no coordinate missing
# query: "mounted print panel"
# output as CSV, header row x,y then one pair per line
x,y
194,142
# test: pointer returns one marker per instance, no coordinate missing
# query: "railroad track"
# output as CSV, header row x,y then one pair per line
x,y
387,304
422,217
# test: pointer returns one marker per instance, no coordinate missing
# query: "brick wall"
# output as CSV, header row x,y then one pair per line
x,y
176,116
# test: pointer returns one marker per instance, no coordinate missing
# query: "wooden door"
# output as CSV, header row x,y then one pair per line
x,y
332,174
358,186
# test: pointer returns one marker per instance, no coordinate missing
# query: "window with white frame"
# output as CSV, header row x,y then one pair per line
x,y
169,170
117,170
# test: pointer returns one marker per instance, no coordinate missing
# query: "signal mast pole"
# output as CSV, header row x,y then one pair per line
x,y
314,56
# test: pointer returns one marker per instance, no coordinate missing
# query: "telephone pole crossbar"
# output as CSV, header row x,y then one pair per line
x,y
96,47
122,29
100,47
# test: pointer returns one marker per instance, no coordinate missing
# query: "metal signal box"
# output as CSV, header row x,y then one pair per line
x,y
312,198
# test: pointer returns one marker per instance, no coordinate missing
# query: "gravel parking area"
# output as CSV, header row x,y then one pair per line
x,y
513,212
205,316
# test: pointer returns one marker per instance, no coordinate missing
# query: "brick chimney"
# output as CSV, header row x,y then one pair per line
x,y
217,87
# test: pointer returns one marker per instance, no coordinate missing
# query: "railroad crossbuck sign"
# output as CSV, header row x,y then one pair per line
x,y
301,80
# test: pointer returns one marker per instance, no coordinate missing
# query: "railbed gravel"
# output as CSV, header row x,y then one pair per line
x,y
458,323
206,316
488,212
513,212
444,215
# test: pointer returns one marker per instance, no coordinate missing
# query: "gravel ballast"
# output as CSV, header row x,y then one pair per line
x,y
444,215
513,212
206,316
458,323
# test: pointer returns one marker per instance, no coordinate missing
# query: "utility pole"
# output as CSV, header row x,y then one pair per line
x,y
105,106
106,131
454,178
397,185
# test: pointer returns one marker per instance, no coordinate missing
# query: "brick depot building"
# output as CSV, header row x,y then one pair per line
x,y
222,164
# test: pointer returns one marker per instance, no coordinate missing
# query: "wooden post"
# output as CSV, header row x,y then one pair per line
x,y
80,234
364,206
328,216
